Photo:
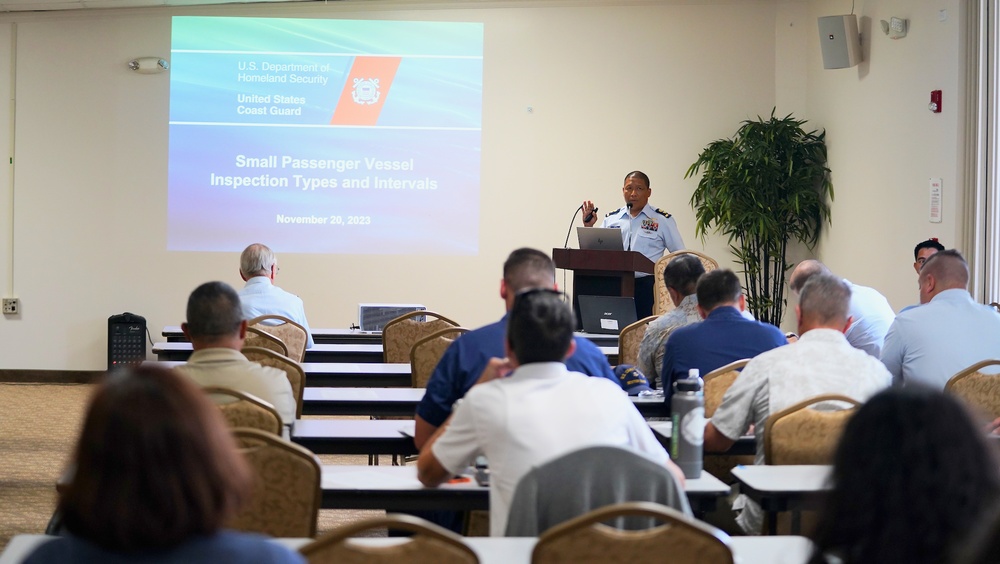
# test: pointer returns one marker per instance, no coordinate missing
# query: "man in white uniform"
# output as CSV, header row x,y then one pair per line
x,y
645,229
949,331
216,329
820,362
529,409
258,268
871,315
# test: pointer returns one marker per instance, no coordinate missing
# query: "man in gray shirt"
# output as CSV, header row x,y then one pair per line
x,y
681,278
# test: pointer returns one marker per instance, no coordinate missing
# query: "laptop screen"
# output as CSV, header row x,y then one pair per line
x,y
606,314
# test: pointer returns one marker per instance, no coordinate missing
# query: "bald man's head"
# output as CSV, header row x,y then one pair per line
x,y
803,272
944,270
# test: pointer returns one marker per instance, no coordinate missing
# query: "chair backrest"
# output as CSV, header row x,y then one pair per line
x,y
661,299
978,390
292,334
679,540
430,544
285,499
241,409
293,370
426,353
718,381
802,435
587,479
629,340
400,334
259,338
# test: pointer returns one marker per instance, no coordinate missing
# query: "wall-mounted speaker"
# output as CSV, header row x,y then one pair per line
x,y
840,41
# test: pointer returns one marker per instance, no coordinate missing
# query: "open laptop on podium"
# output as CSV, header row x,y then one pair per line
x,y
600,238
606,314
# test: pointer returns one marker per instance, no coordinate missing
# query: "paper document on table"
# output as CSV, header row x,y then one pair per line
x,y
369,480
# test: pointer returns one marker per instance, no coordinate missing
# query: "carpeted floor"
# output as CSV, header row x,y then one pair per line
x,y
38,427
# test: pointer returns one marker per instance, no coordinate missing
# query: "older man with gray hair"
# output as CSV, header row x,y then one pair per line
x,y
820,362
258,268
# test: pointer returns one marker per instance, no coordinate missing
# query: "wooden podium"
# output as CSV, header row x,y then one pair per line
x,y
601,273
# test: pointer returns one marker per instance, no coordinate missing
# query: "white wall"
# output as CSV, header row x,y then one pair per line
x,y
613,88
883,142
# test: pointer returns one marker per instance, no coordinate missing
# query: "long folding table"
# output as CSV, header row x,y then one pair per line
x,y
388,402
396,488
784,488
343,374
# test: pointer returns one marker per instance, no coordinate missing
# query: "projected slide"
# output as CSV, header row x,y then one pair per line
x,y
325,136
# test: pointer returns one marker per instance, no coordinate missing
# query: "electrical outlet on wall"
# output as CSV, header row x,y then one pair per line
x,y
11,306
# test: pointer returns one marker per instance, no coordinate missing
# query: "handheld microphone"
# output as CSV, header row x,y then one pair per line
x,y
590,215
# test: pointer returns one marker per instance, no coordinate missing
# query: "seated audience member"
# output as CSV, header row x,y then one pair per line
x,y
923,251
871,315
911,477
156,476
681,278
530,408
820,362
947,333
216,329
465,359
724,336
258,268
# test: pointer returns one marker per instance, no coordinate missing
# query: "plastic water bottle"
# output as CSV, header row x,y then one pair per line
x,y
687,412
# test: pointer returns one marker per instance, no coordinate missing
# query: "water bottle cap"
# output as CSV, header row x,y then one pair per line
x,y
688,385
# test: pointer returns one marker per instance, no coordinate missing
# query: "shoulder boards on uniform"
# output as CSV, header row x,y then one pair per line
x,y
615,212
663,213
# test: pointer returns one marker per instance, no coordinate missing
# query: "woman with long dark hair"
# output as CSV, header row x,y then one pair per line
x,y
912,475
156,476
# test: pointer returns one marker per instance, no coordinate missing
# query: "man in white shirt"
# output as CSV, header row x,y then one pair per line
x,y
870,313
529,409
216,329
947,333
258,268
820,362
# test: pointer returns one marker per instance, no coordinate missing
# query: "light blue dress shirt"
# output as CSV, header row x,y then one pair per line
x,y
260,297
872,315
931,343
652,232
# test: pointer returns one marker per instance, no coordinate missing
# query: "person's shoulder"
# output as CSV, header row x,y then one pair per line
x,y
662,213
615,213
246,547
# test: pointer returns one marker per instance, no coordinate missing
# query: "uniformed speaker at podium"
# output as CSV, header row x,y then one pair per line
x,y
645,229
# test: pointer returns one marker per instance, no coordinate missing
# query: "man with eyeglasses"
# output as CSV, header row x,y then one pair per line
x,y
258,268
464,361
645,229
529,408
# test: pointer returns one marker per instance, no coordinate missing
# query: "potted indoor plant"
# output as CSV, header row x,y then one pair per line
x,y
765,186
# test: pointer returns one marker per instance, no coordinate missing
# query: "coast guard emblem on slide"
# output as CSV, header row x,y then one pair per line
x,y
365,91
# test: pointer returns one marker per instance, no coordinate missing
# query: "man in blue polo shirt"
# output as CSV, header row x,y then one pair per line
x,y
724,336
464,361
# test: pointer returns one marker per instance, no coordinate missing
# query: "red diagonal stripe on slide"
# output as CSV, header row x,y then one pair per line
x,y
365,91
